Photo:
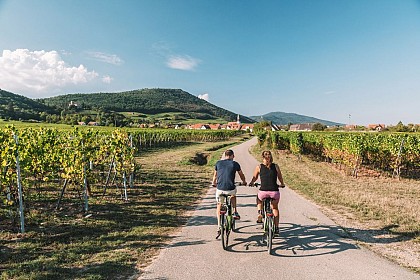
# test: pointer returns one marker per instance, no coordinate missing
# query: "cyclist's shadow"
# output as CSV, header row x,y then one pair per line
x,y
294,240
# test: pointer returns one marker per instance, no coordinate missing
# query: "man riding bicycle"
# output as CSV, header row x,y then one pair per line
x,y
224,180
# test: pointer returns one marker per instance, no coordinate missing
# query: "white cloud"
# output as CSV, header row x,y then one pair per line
x,y
24,71
107,79
107,58
185,62
204,96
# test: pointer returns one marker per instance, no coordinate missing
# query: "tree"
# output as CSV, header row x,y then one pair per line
x,y
400,127
319,127
263,125
10,110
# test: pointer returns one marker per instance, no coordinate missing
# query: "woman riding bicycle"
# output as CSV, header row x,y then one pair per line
x,y
269,173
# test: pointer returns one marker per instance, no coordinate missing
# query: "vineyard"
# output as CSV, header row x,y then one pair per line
x,y
397,154
35,160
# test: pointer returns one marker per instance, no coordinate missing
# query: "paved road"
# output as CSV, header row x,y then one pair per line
x,y
310,246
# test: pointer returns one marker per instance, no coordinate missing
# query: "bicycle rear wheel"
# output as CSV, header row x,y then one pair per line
x,y
225,231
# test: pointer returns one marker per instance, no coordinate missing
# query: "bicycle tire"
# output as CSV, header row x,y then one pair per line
x,y
229,219
225,232
233,225
270,234
264,227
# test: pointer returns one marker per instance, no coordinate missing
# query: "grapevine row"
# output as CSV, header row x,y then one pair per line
x,y
384,151
56,157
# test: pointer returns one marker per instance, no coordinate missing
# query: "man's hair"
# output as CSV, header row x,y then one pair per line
x,y
229,153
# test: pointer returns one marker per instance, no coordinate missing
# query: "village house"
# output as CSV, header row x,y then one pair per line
x,y
275,127
180,126
247,127
350,126
73,104
215,126
376,127
229,126
199,126
233,126
301,127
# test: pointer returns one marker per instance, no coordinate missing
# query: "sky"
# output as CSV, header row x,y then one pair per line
x,y
347,61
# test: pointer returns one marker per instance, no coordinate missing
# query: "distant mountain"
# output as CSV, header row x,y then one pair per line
x,y
282,118
17,107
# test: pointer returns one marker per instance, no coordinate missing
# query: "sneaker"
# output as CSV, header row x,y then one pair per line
x,y
236,216
276,231
259,219
219,232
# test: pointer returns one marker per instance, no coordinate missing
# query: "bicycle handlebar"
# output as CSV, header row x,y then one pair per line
x,y
236,184
258,184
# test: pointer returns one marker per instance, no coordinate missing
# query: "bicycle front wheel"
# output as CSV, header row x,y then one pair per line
x,y
233,225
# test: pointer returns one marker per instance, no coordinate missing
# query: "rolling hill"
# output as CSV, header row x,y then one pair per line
x,y
173,105
146,101
282,118
145,105
17,107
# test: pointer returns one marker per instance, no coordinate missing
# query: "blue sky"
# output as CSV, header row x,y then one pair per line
x,y
352,61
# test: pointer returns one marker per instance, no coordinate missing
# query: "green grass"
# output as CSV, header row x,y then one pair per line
x,y
170,117
164,117
20,124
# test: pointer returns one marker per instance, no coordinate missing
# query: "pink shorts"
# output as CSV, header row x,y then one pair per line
x,y
265,194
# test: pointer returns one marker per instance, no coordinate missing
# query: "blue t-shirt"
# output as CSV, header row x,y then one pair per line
x,y
226,171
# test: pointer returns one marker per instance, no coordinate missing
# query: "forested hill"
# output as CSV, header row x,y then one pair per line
x,y
15,106
147,101
282,118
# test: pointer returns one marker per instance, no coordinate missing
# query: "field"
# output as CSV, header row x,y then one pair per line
x,y
20,124
116,237
173,118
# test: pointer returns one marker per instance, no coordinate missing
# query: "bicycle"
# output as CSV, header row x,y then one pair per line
x,y
268,223
227,221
